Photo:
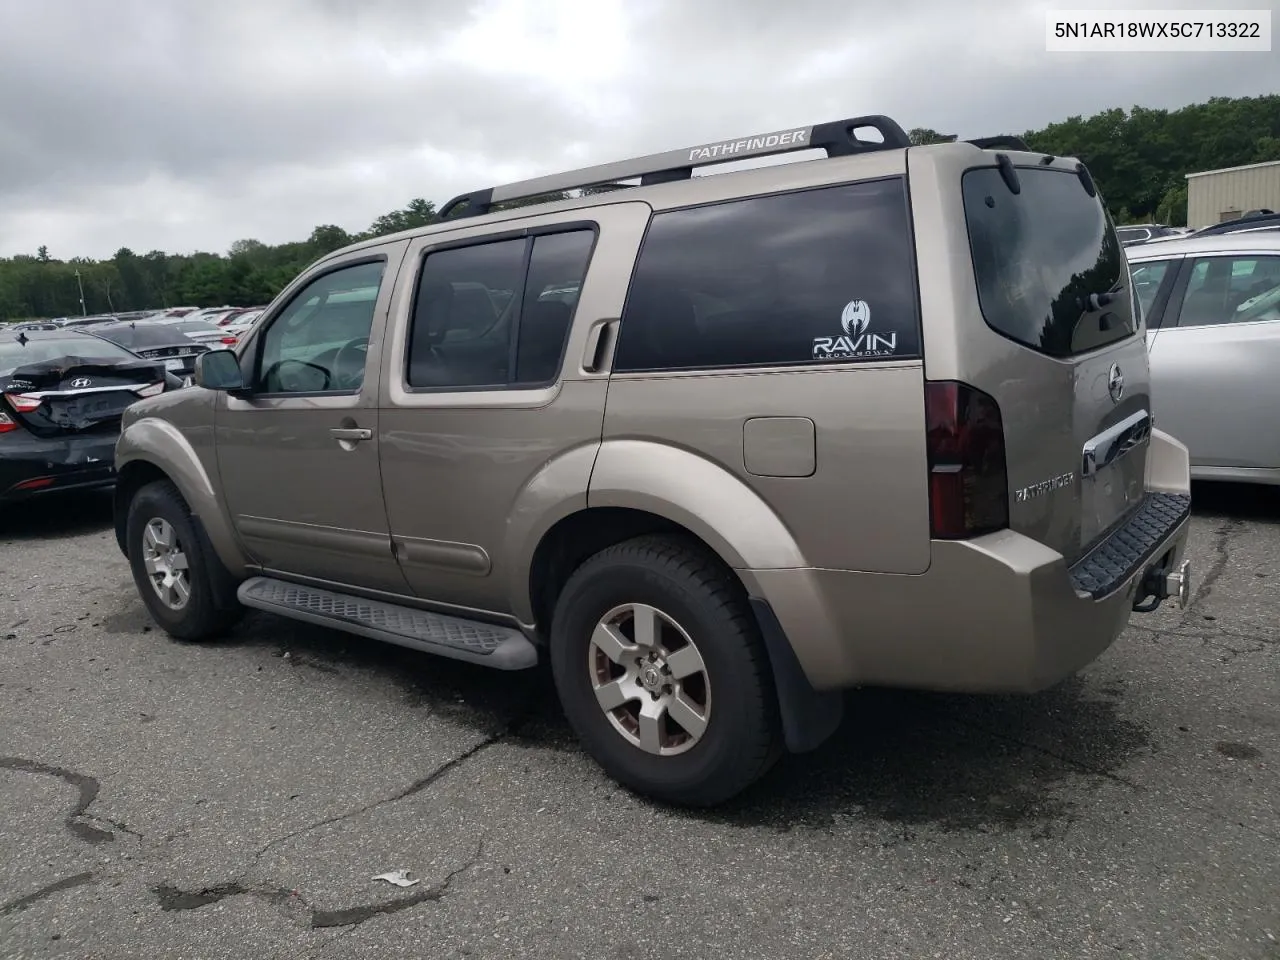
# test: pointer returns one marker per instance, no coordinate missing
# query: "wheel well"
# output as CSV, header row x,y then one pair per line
x,y
132,478
568,544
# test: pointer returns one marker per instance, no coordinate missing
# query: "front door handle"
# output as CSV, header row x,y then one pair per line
x,y
352,434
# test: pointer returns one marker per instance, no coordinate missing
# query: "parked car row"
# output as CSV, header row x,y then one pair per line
x,y
1133,234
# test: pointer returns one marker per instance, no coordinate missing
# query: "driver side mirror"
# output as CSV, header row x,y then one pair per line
x,y
219,370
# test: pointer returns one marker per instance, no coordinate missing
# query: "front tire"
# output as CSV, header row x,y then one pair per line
x,y
180,579
662,672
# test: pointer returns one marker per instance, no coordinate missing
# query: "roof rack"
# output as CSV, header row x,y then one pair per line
x,y
839,138
1008,142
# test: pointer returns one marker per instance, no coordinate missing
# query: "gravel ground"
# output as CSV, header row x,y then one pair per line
x,y
166,800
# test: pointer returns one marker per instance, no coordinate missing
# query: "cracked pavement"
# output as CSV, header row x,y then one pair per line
x,y
234,800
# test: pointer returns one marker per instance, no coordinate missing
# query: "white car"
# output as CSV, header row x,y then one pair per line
x,y
1212,308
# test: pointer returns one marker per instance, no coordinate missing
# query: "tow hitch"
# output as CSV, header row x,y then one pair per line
x,y
1160,584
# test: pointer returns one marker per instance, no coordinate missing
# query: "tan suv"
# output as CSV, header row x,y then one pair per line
x,y
717,447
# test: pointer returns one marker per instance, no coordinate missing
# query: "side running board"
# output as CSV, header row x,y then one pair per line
x,y
488,645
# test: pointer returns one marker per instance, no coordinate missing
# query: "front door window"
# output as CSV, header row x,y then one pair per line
x,y
318,343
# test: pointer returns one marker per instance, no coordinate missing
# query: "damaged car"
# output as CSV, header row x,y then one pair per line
x,y
62,394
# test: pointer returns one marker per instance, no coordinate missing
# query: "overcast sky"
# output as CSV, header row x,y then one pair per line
x,y
188,124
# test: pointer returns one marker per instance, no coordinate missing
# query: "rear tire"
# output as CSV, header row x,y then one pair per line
x,y
690,718
179,577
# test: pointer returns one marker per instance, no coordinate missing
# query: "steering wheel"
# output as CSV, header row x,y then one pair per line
x,y
356,376
289,376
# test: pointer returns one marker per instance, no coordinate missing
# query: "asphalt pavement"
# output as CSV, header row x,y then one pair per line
x,y
234,800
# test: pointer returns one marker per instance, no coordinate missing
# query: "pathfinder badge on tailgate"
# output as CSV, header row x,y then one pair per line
x,y
1033,490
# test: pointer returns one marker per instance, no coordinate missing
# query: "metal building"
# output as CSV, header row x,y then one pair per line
x,y
1217,195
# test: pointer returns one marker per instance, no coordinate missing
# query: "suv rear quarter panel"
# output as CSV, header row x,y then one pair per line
x,y
864,507
857,499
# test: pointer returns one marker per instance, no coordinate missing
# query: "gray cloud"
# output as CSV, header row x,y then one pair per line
x,y
190,125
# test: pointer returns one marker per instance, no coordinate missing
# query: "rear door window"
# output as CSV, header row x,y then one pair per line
x,y
812,277
1050,270
1231,290
497,314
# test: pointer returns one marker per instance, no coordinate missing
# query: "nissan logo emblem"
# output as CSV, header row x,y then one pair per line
x,y
81,382
1115,383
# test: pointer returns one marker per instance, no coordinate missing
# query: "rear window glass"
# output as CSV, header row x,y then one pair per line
x,y
1039,258
812,277
14,354
143,335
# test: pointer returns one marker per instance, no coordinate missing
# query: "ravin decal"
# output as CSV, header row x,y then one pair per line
x,y
857,342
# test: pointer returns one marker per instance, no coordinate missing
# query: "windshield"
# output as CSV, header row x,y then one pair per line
x,y
195,326
1050,270
14,354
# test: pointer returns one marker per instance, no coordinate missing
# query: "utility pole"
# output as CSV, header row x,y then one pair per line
x,y
84,312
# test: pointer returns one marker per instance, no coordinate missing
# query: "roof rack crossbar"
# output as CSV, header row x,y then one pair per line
x,y
838,138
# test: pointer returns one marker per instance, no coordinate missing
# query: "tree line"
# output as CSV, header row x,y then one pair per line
x,y
1138,157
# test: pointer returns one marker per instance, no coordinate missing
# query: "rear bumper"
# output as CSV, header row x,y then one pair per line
x,y
31,465
1000,613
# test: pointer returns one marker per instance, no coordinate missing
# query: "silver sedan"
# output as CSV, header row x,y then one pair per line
x,y
1212,307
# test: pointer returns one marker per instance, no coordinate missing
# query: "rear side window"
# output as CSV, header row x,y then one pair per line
x,y
1231,290
814,277
1040,256
497,314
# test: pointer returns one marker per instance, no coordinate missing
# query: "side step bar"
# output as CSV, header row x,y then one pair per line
x,y
486,644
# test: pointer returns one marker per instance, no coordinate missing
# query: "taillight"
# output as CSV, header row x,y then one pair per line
x,y
968,483
150,390
22,403
7,423
230,341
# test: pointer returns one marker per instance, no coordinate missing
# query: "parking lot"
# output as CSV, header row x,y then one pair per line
x,y
234,800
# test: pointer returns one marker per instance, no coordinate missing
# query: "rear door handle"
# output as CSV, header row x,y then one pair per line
x,y
597,345
353,434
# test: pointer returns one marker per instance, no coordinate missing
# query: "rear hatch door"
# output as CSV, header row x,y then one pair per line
x,y
1058,343
77,394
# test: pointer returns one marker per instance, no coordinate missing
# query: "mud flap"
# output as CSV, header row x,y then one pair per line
x,y
809,716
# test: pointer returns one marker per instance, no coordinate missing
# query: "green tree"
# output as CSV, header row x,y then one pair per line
x,y
1173,206
417,213
328,238
921,136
